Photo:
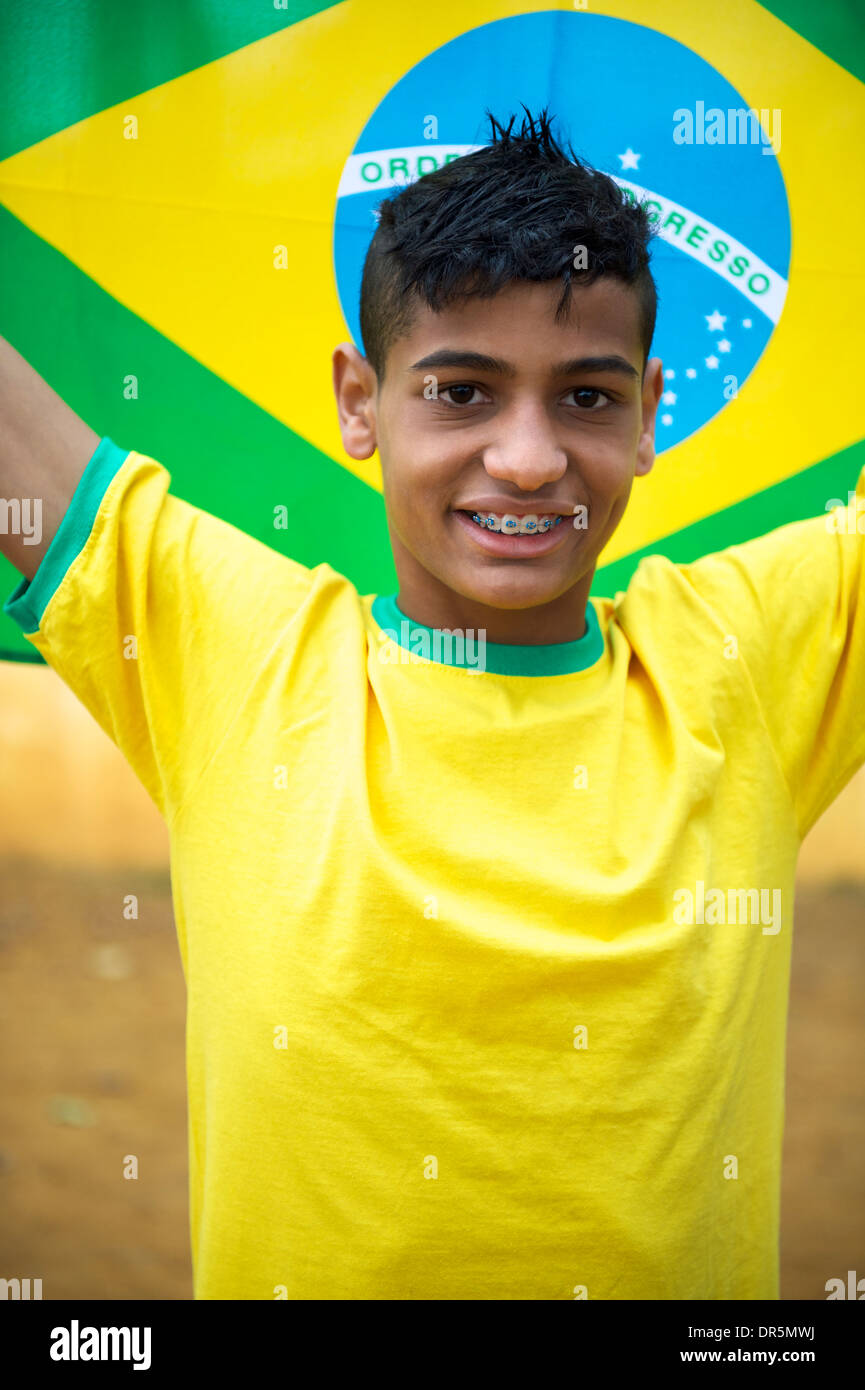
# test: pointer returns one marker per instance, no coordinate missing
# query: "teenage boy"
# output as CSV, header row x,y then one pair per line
x,y
486,931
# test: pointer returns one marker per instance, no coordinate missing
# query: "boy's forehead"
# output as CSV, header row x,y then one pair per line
x,y
518,324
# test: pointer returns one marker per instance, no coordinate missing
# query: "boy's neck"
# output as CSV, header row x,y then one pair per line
x,y
435,605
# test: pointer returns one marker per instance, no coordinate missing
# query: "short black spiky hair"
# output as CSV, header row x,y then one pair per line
x,y
514,210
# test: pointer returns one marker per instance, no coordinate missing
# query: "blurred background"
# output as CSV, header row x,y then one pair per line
x,y
187,191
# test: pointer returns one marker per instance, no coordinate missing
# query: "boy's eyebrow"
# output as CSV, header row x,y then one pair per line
x,y
480,362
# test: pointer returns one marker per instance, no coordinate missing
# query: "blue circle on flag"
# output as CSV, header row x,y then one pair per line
x,y
656,117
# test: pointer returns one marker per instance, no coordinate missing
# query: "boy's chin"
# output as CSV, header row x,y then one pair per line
x,y
509,592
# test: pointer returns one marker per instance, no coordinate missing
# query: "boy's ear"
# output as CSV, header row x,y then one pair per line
x,y
354,385
653,385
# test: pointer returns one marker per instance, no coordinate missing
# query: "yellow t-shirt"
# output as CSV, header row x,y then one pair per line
x,y
487,952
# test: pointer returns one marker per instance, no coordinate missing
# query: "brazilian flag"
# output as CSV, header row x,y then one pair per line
x,y
188,191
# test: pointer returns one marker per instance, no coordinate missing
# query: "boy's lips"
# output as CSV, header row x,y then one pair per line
x,y
500,505
516,546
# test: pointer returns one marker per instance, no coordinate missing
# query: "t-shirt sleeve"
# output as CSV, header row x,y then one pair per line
x,y
795,601
157,615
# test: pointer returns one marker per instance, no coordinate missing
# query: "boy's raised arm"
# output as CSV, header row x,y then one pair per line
x,y
44,449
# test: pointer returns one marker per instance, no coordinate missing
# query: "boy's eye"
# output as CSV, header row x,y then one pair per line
x,y
459,389
598,399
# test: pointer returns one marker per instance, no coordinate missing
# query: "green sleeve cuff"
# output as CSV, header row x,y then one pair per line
x,y
29,599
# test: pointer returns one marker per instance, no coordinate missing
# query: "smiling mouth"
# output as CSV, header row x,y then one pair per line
x,y
510,524
511,542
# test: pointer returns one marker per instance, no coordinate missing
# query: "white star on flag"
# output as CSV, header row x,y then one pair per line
x,y
629,159
666,419
715,321
711,361
669,398
691,372
723,345
669,374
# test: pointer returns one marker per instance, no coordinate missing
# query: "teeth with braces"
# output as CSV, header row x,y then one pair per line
x,y
515,525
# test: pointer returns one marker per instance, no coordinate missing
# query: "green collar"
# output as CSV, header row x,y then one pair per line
x,y
499,658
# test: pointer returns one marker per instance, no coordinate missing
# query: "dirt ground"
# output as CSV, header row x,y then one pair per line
x,y
92,1037
92,1034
